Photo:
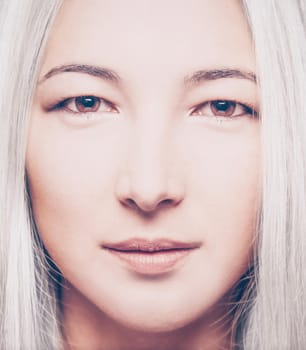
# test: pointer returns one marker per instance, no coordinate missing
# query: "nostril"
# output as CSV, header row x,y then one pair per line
x,y
146,207
130,202
166,202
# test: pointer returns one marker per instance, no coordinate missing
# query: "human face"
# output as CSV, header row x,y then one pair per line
x,y
146,155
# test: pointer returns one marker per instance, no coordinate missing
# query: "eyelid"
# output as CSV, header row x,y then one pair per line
x,y
61,104
248,107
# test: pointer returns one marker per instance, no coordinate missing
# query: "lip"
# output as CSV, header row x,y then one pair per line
x,y
151,257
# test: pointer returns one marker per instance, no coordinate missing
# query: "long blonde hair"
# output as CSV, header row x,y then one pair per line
x,y
271,309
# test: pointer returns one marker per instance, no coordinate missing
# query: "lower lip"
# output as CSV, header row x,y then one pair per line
x,y
152,263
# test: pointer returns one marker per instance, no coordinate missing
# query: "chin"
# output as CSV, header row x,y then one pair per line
x,y
155,317
151,324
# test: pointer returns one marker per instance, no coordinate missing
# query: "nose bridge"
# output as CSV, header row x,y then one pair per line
x,y
149,153
148,177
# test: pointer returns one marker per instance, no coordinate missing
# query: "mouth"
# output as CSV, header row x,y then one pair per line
x,y
151,257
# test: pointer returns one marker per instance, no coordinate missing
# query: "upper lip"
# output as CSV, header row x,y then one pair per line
x,y
145,245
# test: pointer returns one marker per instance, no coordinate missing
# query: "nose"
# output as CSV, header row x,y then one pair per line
x,y
145,192
150,179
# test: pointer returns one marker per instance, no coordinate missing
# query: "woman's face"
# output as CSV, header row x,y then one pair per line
x,y
144,138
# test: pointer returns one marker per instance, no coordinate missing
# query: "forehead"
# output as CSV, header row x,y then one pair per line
x,y
153,36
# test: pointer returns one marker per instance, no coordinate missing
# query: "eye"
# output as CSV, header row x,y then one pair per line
x,y
85,104
223,108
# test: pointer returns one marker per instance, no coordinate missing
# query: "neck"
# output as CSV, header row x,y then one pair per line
x,y
87,327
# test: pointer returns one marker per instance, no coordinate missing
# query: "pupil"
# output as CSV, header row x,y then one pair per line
x,y
86,101
222,105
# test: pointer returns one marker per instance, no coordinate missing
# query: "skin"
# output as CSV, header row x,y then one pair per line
x,y
152,165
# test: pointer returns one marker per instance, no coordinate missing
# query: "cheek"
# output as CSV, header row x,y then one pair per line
x,y
222,203
226,182
70,174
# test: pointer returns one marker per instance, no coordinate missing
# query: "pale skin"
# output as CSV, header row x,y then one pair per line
x,y
153,161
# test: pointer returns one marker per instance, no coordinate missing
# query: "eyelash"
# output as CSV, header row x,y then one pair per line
x,y
246,108
62,105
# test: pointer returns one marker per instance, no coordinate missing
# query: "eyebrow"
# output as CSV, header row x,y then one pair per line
x,y
195,78
214,74
100,72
